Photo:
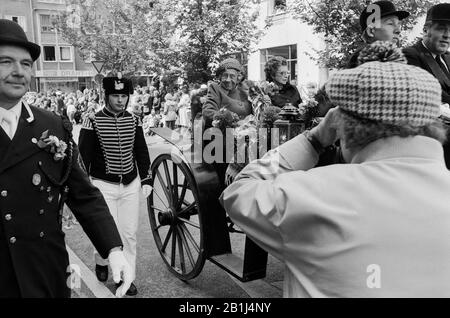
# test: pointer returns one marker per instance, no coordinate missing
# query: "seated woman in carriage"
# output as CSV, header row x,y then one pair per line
x,y
226,95
277,72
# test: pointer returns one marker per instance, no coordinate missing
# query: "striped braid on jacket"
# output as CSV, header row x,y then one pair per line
x,y
113,147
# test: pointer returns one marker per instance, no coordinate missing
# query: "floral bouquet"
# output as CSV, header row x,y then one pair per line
x,y
52,144
269,115
224,119
309,109
259,94
246,145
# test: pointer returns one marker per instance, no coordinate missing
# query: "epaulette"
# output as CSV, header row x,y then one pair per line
x,y
138,120
87,122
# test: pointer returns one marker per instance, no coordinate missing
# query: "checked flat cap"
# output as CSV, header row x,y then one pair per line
x,y
388,92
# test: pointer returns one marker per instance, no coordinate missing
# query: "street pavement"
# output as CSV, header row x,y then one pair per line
x,y
153,279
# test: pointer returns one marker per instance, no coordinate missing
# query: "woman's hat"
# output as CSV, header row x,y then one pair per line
x,y
13,34
230,63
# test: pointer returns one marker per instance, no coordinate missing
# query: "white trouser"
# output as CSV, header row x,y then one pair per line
x,y
123,203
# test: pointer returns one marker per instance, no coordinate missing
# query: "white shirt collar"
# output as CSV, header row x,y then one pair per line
x,y
17,110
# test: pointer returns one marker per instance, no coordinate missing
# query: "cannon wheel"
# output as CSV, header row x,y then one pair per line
x,y
174,213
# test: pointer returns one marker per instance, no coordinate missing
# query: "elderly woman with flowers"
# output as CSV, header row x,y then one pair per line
x,y
226,94
225,102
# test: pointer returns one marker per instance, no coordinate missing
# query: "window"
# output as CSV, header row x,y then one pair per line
x,y
18,19
289,52
49,53
65,53
279,6
46,23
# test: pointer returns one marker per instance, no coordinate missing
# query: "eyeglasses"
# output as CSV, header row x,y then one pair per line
x,y
226,76
283,73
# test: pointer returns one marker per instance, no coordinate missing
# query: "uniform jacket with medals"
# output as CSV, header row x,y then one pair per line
x,y
33,185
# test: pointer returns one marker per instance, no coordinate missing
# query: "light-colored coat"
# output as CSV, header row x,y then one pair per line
x,y
379,227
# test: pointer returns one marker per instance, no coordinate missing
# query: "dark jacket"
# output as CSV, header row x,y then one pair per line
x,y
33,256
129,146
287,94
353,61
419,55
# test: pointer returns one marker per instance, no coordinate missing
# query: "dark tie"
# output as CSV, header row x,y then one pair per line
x,y
442,66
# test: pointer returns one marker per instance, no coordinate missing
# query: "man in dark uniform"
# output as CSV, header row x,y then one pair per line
x,y
115,153
431,53
39,170
387,30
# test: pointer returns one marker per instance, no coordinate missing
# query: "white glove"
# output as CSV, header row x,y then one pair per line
x,y
146,190
121,271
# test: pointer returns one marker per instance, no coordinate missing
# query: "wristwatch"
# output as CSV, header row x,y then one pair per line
x,y
314,142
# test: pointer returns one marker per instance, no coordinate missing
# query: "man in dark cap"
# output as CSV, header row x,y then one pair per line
x,y
379,21
116,157
431,53
39,161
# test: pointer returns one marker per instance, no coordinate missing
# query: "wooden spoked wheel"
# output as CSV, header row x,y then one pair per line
x,y
174,213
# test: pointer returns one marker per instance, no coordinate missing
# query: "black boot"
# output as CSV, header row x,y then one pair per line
x,y
101,272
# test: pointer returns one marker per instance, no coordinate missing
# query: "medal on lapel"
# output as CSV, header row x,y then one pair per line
x,y
50,196
36,179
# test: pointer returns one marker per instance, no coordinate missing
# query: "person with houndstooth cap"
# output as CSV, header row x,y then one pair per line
x,y
376,226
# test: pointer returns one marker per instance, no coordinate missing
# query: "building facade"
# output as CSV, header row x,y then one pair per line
x,y
59,66
290,38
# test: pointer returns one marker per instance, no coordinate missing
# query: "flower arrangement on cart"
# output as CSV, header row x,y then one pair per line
x,y
252,135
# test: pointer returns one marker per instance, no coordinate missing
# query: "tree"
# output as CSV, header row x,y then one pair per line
x,y
109,30
187,37
204,31
338,21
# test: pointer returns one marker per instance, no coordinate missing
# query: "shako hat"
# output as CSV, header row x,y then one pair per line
x,y
117,85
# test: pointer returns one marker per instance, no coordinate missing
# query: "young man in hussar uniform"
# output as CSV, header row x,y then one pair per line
x,y
116,157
